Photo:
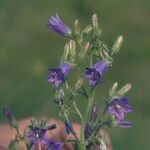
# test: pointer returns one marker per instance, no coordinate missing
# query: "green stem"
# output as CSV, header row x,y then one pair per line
x,y
74,103
85,119
77,110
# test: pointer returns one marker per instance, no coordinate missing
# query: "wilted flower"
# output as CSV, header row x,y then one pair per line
x,y
69,127
88,131
125,124
56,24
94,112
37,134
55,145
118,107
94,74
58,75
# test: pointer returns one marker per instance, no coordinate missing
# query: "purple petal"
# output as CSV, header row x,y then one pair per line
x,y
57,25
120,115
101,66
125,124
111,110
66,69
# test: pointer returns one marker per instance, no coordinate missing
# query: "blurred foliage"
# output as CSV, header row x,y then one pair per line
x,y
28,49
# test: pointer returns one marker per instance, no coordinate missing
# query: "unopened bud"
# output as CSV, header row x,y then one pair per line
x,y
112,91
69,127
77,26
116,47
10,118
72,46
8,114
124,90
87,30
66,52
79,84
95,21
94,112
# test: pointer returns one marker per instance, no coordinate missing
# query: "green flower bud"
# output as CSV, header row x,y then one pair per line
x,y
79,84
116,47
95,21
77,27
123,90
112,91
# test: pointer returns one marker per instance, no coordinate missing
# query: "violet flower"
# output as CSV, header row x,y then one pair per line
x,y
94,74
125,124
55,145
119,107
37,135
94,112
88,131
58,75
56,24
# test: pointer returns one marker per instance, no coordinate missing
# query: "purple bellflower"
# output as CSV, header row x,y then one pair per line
x,y
88,131
58,75
55,145
37,135
125,124
94,74
56,24
118,108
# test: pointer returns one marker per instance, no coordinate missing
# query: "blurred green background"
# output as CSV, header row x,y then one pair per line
x,y
28,49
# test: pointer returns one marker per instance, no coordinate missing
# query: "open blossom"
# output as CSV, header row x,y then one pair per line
x,y
94,74
118,107
56,24
58,75
125,124
55,145
37,135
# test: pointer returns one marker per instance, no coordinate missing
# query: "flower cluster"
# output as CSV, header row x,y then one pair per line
x,y
87,57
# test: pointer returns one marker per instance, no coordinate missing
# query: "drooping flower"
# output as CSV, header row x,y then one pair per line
x,y
88,130
125,124
58,75
94,74
37,134
118,107
56,24
94,112
69,127
55,145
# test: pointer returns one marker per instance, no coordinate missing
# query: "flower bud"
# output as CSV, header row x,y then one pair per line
x,y
112,91
77,27
94,112
87,30
79,84
116,47
69,127
66,53
124,90
72,46
8,114
95,21
10,118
